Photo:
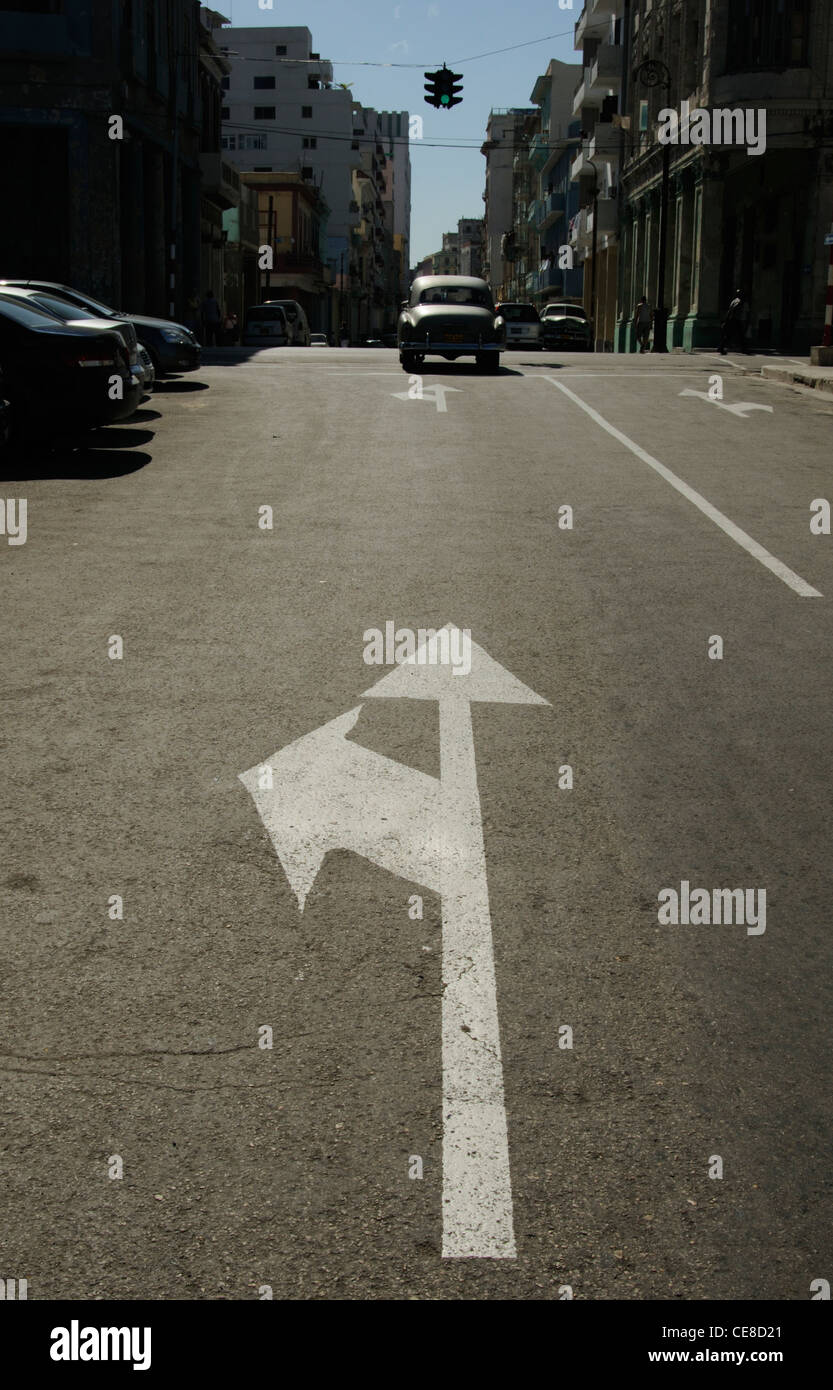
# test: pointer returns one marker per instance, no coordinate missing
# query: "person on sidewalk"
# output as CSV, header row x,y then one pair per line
x,y
642,320
192,313
735,325
211,319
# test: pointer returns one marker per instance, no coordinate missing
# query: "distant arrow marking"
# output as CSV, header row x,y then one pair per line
x,y
429,393
741,408
329,793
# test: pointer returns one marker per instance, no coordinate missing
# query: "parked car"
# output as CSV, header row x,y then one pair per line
x,y
319,340
62,310
47,292
523,326
296,318
146,372
172,347
450,316
58,376
266,326
566,325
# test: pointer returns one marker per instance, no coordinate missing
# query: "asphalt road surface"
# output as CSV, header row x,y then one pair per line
x,y
695,1048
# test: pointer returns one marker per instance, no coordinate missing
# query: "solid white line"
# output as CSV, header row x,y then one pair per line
x,y
477,1189
777,567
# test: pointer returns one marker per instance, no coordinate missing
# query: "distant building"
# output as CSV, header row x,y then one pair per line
x,y
504,131
596,163
470,245
292,217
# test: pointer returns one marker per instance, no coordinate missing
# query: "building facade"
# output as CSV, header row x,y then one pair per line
x,y
101,124
594,230
736,219
504,136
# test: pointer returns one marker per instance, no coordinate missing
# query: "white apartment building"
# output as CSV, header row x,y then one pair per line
x,y
503,138
283,112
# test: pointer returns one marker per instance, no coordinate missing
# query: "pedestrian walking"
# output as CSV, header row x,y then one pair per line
x,y
642,319
211,319
230,329
735,325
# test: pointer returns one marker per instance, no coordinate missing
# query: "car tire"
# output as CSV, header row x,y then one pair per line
x,y
411,360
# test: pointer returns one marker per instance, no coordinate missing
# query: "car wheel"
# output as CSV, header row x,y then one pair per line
x,y
411,360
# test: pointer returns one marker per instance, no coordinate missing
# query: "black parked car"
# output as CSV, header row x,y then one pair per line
x,y
171,346
58,376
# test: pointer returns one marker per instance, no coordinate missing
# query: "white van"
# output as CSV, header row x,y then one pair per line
x,y
296,318
266,326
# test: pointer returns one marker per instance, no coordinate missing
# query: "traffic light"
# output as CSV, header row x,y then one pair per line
x,y
442,87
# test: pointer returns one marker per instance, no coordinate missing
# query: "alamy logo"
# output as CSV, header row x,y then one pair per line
x,y
723,126
700,907
424,647
76,1343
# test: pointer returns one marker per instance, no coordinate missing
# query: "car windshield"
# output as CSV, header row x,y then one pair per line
x,y
25,311
60,307
289,309
519,313
463,295
561,311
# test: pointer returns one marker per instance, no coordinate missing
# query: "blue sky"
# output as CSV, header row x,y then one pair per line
x,y
446,183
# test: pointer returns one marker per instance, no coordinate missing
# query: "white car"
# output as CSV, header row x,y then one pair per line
x,y
296,318
319,340
266,326
523,327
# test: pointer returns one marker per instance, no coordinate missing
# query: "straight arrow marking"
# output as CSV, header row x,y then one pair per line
x,y
477,1187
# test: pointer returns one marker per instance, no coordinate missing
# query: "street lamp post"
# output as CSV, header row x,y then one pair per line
x,y
654,73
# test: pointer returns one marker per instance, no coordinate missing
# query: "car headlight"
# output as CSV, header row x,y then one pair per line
x,y
173,335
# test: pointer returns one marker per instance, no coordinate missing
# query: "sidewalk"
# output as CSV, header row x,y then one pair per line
x,y
793,371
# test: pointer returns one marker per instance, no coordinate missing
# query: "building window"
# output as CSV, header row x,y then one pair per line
x,y
224,83
306,112
262,169
280,50
767,34
355,145
264,113
306,171
264,84
224,113
310,142
252,142
228,142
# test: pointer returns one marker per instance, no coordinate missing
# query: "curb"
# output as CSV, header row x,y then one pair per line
x,y
795,376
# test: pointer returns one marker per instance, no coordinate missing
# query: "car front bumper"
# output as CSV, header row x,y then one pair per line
x,y
437,346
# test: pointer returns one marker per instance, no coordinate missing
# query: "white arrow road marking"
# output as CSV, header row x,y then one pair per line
x,y
429,393
741,408
777,567
477,1188
329,793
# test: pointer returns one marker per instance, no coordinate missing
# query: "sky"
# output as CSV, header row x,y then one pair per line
x,y
446,183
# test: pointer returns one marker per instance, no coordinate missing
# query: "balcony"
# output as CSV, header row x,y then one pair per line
x,y
606,216
580,94
539,150
549,210
605,74
533,211
220,181
593,19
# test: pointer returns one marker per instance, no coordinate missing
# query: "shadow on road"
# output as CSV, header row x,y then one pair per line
x,y
172,384
111,452
440,368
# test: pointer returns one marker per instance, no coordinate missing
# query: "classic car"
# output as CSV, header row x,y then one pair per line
x,y
566,325
450,316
